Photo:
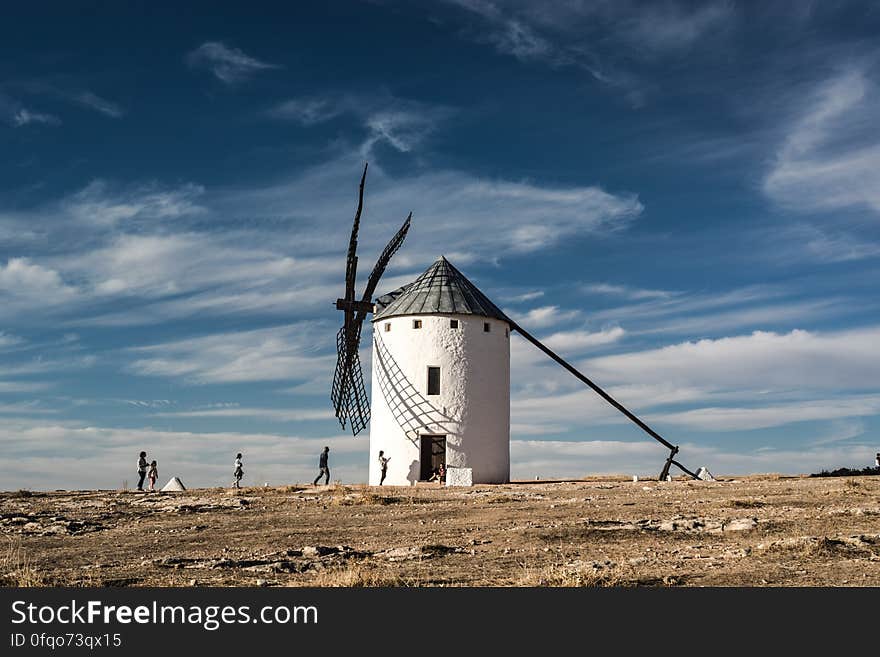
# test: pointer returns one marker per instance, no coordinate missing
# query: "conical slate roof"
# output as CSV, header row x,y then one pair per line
x,y
441,289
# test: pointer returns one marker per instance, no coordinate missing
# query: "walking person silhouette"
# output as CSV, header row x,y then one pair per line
x,y
325,468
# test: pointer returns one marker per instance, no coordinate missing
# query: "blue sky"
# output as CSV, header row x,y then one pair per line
x,y
683,199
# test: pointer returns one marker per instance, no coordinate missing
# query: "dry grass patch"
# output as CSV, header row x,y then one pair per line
x,y
358,575
16,568
573,576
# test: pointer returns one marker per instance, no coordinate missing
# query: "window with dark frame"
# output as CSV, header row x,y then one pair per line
x,y
417,323
486,327
453,323
433,380
387,326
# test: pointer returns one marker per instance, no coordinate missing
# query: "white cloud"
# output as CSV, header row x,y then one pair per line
x,y
22,279
101,204
25,408
24,116
453,211
697,312
281,353
627,292
269,414
104,456
745,382
40,365
592,36
522,298
577,341
229,65
549,459
17,115
841,430
817,244
23,386
830,158
95,102
844,360
400,123
308,111
8,340
670,26
545,316
762,417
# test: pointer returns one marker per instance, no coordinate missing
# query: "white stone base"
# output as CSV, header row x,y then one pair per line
x,y
459,477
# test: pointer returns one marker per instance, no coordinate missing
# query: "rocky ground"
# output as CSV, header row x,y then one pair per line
x,y
747,531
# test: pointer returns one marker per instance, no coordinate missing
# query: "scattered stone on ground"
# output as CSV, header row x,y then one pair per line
x,y
602,531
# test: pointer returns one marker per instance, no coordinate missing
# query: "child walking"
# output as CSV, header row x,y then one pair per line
x,y
153,475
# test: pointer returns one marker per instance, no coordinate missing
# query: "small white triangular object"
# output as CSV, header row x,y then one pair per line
x,y
174,484
704,474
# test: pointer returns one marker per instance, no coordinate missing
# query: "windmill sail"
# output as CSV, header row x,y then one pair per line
x,y
348,393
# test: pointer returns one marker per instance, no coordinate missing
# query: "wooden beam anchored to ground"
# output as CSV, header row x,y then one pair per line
x,y
673,449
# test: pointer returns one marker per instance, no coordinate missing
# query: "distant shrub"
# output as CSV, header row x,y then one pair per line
x,y
848,472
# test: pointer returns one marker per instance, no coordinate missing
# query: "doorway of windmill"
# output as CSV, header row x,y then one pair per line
x,y
433,454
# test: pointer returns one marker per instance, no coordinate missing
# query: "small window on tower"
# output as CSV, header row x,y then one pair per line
x,y
387,326
507,333
486,327
433,380
417,323
453,323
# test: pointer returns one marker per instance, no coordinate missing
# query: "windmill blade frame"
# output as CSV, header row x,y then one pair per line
x,y
348,392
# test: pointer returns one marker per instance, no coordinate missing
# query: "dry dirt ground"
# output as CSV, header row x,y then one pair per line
x,y
746,531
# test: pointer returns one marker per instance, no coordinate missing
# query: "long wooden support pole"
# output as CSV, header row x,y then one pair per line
x,y
616,404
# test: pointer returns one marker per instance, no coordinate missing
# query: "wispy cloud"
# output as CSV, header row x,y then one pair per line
x,y
671,26
23,386
578,458
830,158
596,36
8,340
106,205
739,383
626,292
24,116
400,123
270,414
729,418
17,115
522,297
545,316
578,341
68,93
94,102
229,65
799,359
476,217
311,110
696,312
198,458
841,430
283,353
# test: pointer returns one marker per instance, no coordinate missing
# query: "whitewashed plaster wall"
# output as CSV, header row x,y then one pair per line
x,y
472,409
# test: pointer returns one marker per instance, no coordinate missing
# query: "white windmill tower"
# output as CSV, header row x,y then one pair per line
x,y
441,374
441,381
